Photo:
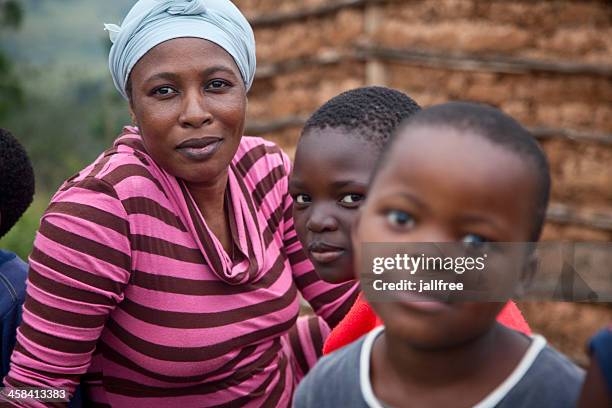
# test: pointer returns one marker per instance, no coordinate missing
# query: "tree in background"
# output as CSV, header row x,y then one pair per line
x,y
11,94
56,95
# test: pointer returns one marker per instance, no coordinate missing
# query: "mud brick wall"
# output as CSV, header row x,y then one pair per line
x,y
547,63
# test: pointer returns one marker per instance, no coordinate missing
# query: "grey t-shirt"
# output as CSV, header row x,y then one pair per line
x,y
544,378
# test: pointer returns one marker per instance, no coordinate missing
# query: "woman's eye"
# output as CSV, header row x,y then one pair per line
x,y
400,219
164,90
352,199
217,84
302,198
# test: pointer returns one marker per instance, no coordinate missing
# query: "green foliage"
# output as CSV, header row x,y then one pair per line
x,y
20,238
10,13
65,32
11,94
68,120
56,95
59,99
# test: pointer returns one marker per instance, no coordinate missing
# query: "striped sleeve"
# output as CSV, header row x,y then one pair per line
x,y
330,301
79,267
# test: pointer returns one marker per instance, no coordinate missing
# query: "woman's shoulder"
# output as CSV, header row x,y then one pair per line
x,y
117,171
250,142
256,153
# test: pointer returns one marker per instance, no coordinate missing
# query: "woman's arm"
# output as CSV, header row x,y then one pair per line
x,y
79,266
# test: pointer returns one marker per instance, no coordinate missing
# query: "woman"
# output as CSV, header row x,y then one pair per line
x,y
166,272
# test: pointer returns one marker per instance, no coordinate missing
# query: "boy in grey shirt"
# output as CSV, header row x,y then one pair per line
x,y
454,172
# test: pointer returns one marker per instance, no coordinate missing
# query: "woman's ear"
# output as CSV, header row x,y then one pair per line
x,y
132,114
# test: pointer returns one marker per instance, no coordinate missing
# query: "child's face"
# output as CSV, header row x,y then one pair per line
x,y
442,186
328,184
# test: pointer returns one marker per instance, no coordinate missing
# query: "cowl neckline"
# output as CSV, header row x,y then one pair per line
x,y
242,216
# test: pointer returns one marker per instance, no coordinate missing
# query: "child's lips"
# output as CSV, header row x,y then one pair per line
x,y
425,304
324,253
327,256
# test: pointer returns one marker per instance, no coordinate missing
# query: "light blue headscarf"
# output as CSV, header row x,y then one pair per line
x,y
151,22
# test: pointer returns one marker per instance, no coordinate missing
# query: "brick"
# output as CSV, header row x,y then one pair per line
x,y
253,8
564,232
301,92
581,173
578,41
306,39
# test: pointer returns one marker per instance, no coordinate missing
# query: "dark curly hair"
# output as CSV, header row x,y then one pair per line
x,y
16,181
498,128
372,111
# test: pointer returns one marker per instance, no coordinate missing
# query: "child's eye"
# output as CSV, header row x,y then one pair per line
x,y
164,91
352,200
474,241
302,198
400,219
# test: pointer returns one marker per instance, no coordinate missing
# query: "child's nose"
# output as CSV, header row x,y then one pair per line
x,y
321,220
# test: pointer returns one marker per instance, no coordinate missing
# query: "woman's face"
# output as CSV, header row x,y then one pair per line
x,y
189,101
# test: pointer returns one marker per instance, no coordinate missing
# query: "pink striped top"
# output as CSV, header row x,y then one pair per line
x,y
131,293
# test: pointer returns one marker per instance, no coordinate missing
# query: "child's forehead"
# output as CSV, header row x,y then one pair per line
x,y
426,150
434,142
338,144
333,156
465,167
359,135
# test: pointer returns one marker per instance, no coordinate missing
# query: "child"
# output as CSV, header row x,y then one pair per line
x,y
455,172
16,193
334,160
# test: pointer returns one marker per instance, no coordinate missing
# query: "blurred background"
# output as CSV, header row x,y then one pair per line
x,y
547,63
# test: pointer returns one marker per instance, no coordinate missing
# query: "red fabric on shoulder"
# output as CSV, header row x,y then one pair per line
x,y
511,317
361,319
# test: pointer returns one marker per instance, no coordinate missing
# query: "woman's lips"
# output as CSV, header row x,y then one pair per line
x,y
323,253
199,149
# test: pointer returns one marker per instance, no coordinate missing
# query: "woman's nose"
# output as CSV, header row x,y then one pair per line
x,y
194,110
321,220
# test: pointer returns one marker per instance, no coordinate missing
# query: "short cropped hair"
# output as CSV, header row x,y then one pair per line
x,y
498,128
16,181
371,113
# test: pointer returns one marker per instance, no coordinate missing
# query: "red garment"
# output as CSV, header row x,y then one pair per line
x,y
361,319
